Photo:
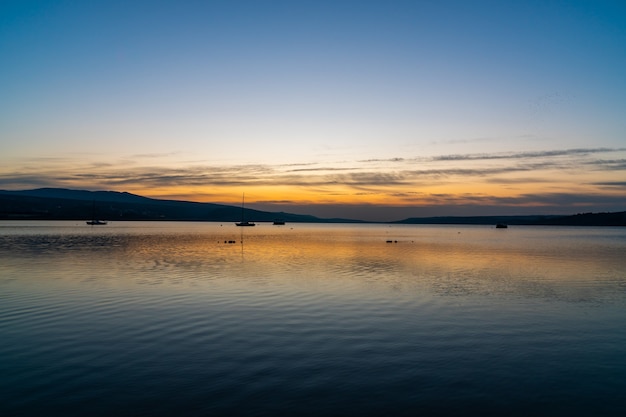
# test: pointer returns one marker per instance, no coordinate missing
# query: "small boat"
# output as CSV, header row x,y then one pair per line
x,y
244,222
278,222
94,221
501,226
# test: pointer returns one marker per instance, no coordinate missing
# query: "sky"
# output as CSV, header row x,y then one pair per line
x,y
377,110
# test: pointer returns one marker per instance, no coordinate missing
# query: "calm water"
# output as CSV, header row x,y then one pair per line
x,y
168,319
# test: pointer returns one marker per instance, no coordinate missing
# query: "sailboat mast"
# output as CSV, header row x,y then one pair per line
x,y
243,222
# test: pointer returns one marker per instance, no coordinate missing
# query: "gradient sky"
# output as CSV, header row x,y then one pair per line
x,y
378,110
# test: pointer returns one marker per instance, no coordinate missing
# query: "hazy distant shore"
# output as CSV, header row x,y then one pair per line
x,y
61,204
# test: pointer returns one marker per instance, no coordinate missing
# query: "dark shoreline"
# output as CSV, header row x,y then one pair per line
x,y
62,204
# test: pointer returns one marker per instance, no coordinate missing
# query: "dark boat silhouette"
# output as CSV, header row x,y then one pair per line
x,y
244,222
94,221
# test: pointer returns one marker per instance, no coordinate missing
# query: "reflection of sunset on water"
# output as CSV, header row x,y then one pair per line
x,y
444,260
300,309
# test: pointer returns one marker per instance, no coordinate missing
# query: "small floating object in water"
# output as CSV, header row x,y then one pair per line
x,y
501,226
389,241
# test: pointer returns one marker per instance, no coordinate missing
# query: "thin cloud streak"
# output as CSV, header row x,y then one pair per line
x,y
154,155
617,184
246,172
522,179
267,175
525,155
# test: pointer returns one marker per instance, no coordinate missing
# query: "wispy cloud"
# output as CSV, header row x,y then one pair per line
x,y
383,160
370,178
609,164
525,155
322,169
155,155
538,177
616,184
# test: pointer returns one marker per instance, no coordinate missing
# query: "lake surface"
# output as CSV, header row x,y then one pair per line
x,y
150,319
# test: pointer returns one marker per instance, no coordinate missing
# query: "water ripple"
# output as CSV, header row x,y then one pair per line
x,y
311,320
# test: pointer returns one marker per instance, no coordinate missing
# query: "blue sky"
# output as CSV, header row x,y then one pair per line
x,y
396,105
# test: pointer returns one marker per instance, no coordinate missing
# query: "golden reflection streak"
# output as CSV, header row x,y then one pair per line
x,y
286,254
441,261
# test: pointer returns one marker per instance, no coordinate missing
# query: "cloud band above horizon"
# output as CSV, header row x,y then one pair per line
x,y
510,180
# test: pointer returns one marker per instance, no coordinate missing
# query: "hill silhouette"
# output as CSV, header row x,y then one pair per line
x,y
66,204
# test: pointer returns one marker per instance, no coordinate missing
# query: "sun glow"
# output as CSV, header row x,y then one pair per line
x,y
302,105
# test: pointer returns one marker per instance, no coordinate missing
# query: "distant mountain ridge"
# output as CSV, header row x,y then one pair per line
x,y
68,204
83,195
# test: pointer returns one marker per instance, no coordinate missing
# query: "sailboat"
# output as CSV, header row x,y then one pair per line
x,y
243,222
94,221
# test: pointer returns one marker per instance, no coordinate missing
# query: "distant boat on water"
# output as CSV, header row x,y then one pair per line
x,y
278,222
501,226
244,222
94,221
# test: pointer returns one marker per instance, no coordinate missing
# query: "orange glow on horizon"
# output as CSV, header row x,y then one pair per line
x,y
337,194
470,180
